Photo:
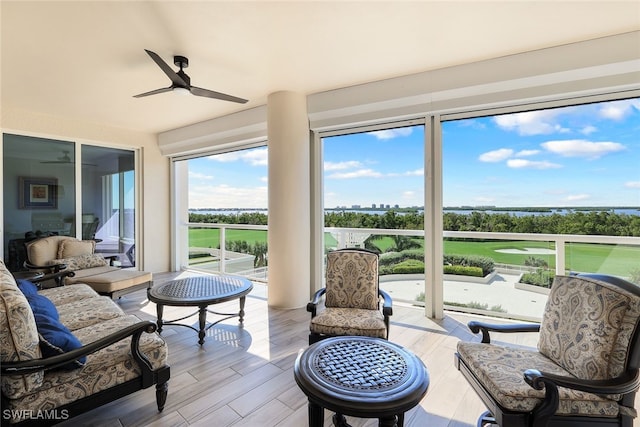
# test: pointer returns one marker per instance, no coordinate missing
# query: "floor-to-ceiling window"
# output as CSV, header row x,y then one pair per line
x,y
562,184
227,199
373,182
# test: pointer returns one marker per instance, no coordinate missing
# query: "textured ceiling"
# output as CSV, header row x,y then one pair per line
x,y
84,60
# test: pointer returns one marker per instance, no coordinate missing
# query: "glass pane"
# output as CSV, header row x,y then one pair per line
x,y
229,188
108,201
374,199
39,192
563,182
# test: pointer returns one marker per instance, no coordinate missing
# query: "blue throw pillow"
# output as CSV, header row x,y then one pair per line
x,y
27,287
55,339
39,303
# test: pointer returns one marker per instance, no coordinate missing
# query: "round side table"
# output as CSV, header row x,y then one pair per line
x,y
361,377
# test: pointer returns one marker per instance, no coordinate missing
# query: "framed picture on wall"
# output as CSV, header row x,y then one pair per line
x,y
34,193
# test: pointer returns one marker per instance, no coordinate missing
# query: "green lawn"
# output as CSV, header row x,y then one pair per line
x,y
210,237
593,258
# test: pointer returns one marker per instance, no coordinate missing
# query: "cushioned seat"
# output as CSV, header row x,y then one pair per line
x,y
56,253
585,369
352,298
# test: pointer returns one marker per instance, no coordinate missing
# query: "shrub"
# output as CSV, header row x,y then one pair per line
x,y
409,266
463,270
485,263
541,277
532,261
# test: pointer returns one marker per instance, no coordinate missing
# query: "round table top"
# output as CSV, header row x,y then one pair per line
x,y
198,290
361,376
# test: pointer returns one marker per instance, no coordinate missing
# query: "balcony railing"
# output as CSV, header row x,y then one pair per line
x,y
237,249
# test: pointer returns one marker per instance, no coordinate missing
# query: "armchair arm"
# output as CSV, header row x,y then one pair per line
x,y
50,267
625,383
485,328
313,305
34,365
387,302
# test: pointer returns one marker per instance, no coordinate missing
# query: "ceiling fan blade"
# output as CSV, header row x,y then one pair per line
x,y
153,92
175,78
198,91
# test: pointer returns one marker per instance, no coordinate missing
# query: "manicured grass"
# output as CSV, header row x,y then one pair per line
x,y
210,237
583,257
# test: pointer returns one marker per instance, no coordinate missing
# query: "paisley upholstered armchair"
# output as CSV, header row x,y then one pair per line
x,y
584,371
352,298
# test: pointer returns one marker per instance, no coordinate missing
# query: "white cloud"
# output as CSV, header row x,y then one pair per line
x,y
618,110
256,157
632,184
226,196
578,197
496,155
528,164
196,175
417,172
582,148
588,130
391,133
360,173
334,166
526,153
532,122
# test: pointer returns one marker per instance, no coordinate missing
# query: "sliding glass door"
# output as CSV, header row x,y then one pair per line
x,y
41,179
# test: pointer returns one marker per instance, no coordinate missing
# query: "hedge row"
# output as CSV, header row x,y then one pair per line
x,y
414,266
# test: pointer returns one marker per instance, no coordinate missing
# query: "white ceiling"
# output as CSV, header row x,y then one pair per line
x,y
84,60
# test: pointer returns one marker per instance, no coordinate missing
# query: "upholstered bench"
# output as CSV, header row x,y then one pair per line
x,y
66,350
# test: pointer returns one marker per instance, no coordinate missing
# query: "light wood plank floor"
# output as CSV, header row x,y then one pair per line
x,y
244,376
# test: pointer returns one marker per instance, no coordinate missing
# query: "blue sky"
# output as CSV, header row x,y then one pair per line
x,y
585,155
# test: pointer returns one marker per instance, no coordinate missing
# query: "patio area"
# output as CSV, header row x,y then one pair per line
x,y
244,376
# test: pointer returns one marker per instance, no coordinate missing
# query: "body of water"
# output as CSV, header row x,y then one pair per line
x,y
551,211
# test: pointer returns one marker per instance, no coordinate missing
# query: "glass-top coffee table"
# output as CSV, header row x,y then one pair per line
x,y
201,292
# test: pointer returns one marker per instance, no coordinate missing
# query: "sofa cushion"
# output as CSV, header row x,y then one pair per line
x,y
41,251
349,321
500,370
67,294
18,336
587,327
109,279
71,248
81,262
87,312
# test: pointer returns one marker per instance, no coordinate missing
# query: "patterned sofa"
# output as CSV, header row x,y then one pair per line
x,y
49,372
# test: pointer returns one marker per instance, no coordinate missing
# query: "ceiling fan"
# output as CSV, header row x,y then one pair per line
x,y
65,159
181,82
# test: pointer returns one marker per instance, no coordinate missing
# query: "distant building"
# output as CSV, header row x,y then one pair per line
x,y
396,206
373,205
355,206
